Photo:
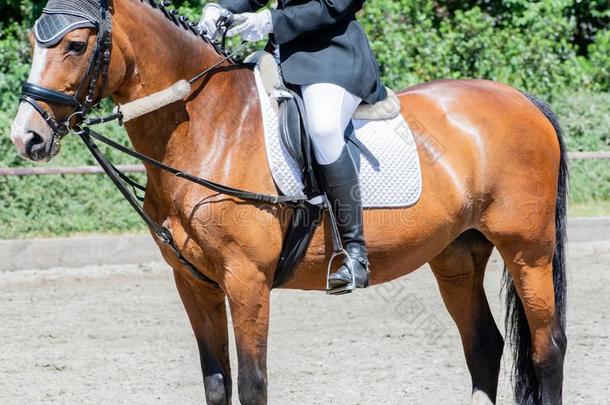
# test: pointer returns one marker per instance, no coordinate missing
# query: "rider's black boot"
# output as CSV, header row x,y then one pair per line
x,y
342,187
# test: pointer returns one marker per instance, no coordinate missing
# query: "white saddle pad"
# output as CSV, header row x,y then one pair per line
x,y
395,183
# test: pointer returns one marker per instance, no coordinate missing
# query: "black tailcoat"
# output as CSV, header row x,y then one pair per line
x,y
321,42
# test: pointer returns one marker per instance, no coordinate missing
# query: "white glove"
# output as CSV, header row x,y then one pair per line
x,y
211,14
252,26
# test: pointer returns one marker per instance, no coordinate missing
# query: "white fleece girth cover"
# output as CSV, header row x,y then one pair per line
x,y
397,183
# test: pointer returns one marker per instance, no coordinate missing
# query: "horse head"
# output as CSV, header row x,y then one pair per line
x,y
71,44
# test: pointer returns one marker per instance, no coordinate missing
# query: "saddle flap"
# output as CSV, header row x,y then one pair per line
x,y
291,129
288,108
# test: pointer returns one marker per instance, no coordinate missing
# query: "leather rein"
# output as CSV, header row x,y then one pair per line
x,y
98,69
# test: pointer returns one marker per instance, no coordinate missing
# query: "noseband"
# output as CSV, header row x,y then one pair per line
x,y
97,68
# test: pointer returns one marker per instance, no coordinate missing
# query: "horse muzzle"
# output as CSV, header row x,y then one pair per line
x,y
32,137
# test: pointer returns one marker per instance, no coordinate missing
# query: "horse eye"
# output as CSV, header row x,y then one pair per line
x,y
77,47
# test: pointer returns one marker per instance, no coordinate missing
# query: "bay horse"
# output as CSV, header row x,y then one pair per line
x,y
494,175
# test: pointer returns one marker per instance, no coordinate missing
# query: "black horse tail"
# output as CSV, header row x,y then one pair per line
x,y
526,384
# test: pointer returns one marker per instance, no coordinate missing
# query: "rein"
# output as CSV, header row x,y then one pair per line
x,y
87,133
98,67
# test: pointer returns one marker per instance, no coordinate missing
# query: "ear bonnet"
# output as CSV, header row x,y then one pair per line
x,y
60,17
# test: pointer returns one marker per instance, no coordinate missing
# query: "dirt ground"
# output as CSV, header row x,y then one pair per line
x,y
119,335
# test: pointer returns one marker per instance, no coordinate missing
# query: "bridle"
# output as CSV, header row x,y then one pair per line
x,y
97,69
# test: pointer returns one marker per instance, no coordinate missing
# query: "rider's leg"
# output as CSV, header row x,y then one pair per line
x,y
329,109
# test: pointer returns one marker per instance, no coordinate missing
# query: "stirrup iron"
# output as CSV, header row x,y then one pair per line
x,y
344,289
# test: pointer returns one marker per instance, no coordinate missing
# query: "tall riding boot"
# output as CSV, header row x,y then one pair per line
x,y
342,186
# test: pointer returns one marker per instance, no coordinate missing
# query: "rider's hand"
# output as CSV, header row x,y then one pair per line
x,y
252,26
209,19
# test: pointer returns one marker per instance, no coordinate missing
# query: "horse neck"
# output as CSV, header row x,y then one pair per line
x,y
158,53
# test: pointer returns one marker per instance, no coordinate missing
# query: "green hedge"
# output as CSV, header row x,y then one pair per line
x,y
531,51
557,49
586,121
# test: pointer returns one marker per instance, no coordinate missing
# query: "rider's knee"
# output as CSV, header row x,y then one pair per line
x,y
325,129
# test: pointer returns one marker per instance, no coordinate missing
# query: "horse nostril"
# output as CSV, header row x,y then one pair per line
x,y
33,140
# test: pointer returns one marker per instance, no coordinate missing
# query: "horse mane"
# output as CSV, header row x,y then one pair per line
x,y
182,21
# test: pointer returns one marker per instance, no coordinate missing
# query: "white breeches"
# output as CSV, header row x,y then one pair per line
x,y
328,109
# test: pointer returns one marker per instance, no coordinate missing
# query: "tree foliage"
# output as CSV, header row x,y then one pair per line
x,y
544,46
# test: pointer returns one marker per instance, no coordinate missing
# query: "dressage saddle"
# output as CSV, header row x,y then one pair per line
x,y
287,102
